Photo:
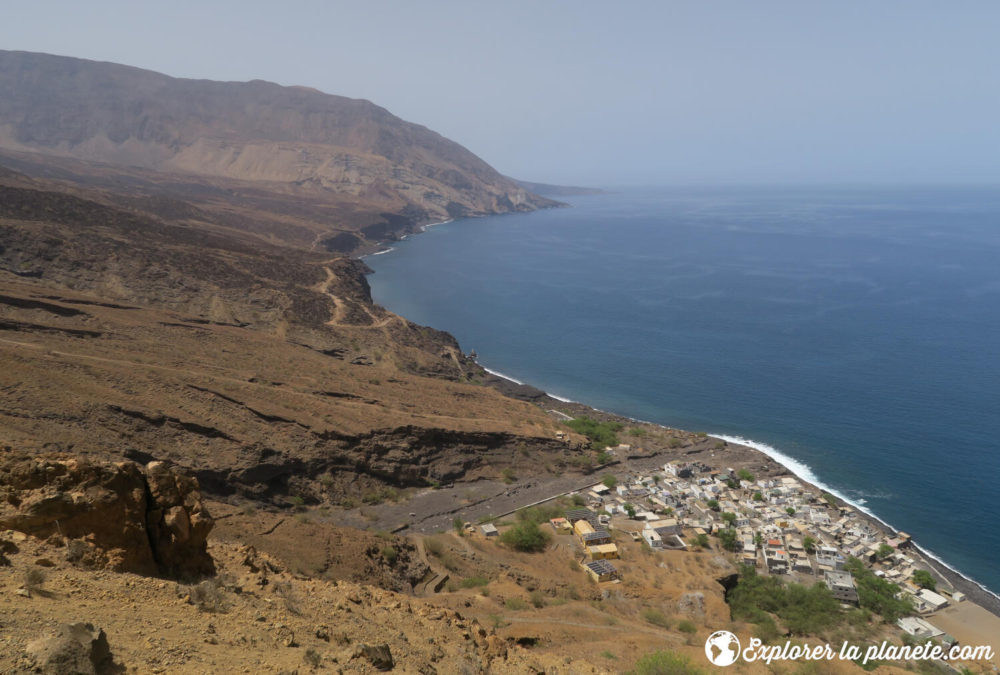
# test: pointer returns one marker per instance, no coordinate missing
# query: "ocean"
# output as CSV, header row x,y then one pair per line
x,y
853,333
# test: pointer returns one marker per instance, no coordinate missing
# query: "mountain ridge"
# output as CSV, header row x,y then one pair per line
x,y
332,150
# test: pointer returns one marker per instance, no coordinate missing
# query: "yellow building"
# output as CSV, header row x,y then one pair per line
x,y
582,527
603,552
601,570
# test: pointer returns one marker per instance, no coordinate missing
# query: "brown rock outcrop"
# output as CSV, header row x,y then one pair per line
x,y
117,516
77,648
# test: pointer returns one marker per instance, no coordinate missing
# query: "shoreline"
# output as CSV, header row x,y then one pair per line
x,y
975,591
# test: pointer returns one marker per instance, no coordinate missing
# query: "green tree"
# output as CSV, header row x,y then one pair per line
x,y
526,536
884,551
701,540
459,525
630,510
610,481
744,476
790,511
758,497
924,579
728,539
713,504
729,518
809,544
878,594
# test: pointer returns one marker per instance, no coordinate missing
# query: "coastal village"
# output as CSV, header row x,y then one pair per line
x,y
777,525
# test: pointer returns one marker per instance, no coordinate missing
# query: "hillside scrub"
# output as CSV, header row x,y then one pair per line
x,y
877,594
805,610
601,434
525,537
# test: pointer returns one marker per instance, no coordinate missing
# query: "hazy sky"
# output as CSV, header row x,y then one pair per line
x,y
605,93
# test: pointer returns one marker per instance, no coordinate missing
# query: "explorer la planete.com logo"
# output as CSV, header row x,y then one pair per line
x,y
722,648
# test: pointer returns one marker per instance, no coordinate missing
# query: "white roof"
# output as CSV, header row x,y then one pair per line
x,y
931,597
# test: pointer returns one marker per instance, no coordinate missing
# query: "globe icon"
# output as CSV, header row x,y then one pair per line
x,y
722,648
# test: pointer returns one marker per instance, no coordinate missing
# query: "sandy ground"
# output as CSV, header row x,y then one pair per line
x,y
970,624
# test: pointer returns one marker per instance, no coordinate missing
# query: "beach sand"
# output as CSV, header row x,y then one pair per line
x,y
970,624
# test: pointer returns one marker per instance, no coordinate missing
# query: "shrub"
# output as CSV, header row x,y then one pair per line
x,y
208,596
433,546
34,579
804,610
610,481
665,663
601,434
538,599
878,594
924,579
701,541
526,537
542,513
744,475
379,496
713,504
675,442
312,658
507,475
728,539
686,626
603,457
459,525
390,555
515,604
474,582
285,591
655,617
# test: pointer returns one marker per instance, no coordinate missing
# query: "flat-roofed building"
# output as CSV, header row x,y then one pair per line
x,y
603,552
601,570
841,586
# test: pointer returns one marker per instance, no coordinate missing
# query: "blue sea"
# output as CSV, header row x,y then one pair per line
x,y
851,332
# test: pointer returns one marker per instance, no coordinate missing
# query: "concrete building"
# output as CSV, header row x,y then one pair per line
x,y
841,585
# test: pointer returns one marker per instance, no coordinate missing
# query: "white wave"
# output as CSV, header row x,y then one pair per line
x,y
423,228
805,472
515,381
499,374
385,250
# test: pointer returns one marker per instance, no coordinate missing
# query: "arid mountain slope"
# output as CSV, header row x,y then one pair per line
x,y
265,370
253,135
